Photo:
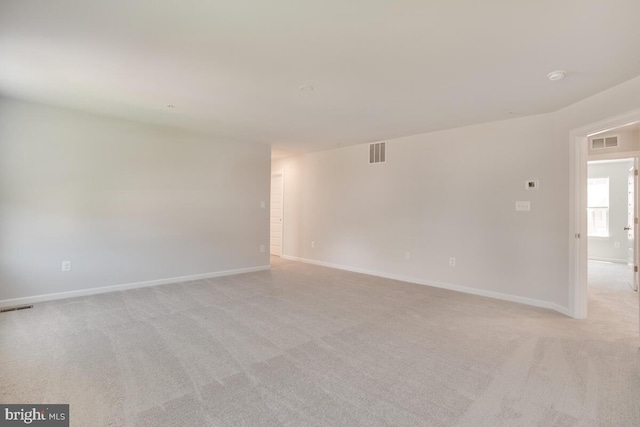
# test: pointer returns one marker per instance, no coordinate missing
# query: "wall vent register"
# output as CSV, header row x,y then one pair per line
x,y
377,152
608,142
17,308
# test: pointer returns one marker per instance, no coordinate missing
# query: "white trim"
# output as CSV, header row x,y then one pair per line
x,y
616,127
277,173
126,286
621,155
609,124
435,284
615,260
578,158
598,237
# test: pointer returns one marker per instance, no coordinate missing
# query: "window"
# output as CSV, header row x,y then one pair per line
x,y
598,207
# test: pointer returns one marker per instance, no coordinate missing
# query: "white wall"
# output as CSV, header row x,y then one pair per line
x,y
440,195
125,202
451,194
603,248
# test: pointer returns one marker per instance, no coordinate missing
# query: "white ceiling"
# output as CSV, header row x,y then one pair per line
x,y
380,69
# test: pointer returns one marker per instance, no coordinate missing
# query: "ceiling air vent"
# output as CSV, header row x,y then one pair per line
x,y
608,142
377,152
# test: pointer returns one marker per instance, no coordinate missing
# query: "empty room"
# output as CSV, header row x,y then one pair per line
x,y
355,213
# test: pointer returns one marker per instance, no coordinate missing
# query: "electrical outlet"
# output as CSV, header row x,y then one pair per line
x,y
263,204
66,266
523,205
262,249
313,243
452,262
407,256
616,245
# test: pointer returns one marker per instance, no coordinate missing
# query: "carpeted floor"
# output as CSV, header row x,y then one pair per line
x,y
610,275
306,345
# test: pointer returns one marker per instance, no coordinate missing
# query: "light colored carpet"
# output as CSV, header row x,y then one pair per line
x,y
610,275
307,345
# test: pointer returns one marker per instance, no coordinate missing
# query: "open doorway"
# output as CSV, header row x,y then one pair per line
x,y
611,213
609,221
589,144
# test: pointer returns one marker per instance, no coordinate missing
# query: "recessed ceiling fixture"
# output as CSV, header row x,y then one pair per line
x,y
556,75
171,106
306,88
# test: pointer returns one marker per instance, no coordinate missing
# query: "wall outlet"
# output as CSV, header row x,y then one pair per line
x,y
262,248
263,204
616,245
313,243
66,266
452,262
523,205
407,256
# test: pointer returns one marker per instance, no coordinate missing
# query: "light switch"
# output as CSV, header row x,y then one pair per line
x,y
523,205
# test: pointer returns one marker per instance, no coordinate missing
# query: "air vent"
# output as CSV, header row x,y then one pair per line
x,y
608,142
377,152
19,307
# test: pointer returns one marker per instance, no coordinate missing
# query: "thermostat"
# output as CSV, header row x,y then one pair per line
x,y
532,184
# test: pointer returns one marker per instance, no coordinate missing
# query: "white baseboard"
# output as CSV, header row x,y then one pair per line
x,y
560,309
122,287
436,284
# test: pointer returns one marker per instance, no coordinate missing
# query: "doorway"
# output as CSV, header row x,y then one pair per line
x,y
592,143
611,213
277,213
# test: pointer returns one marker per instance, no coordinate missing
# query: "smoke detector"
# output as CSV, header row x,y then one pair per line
x,y
556,75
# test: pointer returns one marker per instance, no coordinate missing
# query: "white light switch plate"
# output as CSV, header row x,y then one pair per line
x,y
523,205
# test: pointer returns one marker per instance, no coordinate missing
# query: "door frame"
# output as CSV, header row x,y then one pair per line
x,y
636,215
281,174
578,158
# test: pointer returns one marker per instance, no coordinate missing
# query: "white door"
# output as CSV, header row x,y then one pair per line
x,y
636,237
631,214
277,207
632,226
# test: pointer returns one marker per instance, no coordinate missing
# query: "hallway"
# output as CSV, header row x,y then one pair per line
x,y
611,296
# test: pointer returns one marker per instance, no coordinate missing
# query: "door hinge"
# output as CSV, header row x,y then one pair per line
x,y
635,172
577,235
635,220
635,268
